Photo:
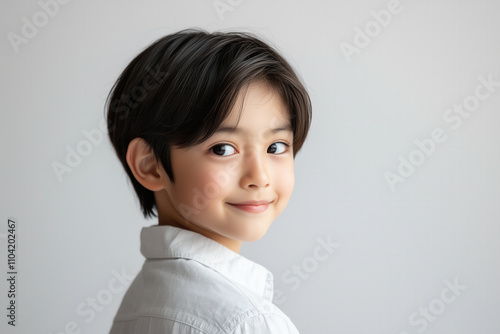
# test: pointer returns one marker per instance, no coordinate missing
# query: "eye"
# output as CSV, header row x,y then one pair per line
x,y
277,148
223,150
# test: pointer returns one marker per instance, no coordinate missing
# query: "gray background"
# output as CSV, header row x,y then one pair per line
x,y
397,248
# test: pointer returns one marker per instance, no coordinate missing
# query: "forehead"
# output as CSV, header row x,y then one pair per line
x,y
258,105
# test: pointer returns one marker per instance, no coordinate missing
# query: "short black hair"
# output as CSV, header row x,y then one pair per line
x,y
180,89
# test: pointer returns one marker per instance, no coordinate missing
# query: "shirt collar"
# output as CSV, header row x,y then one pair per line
x,y
163,242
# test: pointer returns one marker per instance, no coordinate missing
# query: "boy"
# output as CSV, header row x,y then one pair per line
x,y
207,127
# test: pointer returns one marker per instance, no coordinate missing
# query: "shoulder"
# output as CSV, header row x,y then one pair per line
x,y
223,303
268,320
193,298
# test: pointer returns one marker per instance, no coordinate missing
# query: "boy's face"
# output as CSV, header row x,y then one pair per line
x,y
235,184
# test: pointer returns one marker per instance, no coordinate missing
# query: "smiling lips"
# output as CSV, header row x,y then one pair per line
x,y
253,206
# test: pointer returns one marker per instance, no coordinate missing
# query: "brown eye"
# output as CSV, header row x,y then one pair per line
x,y
277,148
223,150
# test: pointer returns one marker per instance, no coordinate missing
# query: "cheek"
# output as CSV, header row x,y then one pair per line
x,y
208,181
285,180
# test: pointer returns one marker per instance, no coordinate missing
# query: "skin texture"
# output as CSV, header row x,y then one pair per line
x,y
250,164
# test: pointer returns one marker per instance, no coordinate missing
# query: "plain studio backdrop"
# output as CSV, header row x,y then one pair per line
x,y
393,226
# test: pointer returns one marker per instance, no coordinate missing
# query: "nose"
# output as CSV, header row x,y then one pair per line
x,y
255,172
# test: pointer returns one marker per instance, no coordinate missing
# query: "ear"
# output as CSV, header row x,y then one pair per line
x,y
142,162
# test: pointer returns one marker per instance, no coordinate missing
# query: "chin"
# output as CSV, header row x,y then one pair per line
x,y
255,235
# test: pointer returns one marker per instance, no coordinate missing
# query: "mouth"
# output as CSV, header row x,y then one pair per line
x,y
252,206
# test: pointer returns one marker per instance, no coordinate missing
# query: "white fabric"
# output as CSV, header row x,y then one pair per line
x,y
192,284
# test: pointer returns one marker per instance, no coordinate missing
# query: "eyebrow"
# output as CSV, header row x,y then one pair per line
x,y
230,129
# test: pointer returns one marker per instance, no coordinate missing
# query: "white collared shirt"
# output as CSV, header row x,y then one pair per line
x,y
192,284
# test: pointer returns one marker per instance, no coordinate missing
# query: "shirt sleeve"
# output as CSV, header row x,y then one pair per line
x,y
266,324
